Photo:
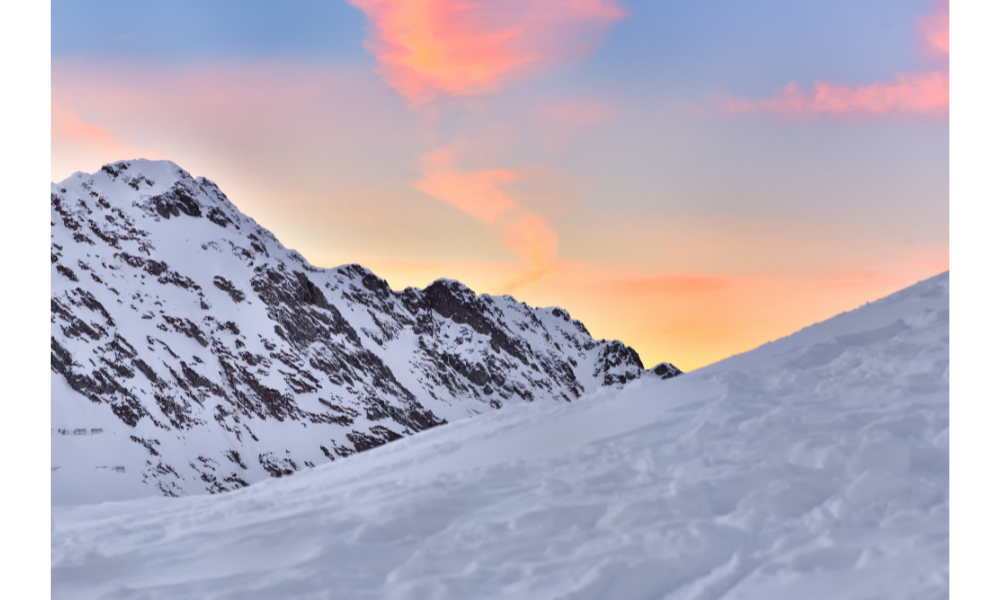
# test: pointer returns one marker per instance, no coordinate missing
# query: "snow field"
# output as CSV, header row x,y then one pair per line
x,y
813,467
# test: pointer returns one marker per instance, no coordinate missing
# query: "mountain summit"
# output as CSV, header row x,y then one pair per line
x,y
192,352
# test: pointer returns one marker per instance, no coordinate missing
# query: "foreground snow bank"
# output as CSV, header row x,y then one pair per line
x,y
813,467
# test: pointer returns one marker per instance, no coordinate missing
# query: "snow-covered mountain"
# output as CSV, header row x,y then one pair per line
x,y
193,353
813,467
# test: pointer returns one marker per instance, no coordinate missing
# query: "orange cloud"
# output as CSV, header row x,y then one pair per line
x,y
531,238
77,143
934,31
911,93
458,47
69,130
477,193
68,127
474,193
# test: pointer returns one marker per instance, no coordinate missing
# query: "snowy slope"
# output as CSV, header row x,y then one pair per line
x,y
193,353
812,467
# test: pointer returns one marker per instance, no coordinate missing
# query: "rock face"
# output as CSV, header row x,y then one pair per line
x,y
193,353
665,370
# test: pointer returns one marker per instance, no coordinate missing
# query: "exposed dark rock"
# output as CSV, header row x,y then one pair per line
x,y
188,328
277,467
613,356
234,456
145,369
175,202
147,444
227,286
67,272
666,370
88,300
378,436
116,169
219,218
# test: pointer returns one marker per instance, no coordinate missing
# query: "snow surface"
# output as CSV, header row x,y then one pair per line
x,y
815,466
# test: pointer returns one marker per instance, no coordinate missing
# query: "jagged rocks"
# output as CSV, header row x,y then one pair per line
x,y
666,371
227,286
176,201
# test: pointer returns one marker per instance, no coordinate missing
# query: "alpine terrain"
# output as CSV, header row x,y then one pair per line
x,y
193,353
815,466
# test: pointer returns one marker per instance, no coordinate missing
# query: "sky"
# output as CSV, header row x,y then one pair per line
x,y
692,178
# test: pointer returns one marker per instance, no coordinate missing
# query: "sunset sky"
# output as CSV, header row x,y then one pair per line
x,y
692,178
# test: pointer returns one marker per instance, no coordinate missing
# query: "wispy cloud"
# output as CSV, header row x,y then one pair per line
x,y
80,142
480,194
68,127
934,29
427,48
476,193
910,93
922,93
530,236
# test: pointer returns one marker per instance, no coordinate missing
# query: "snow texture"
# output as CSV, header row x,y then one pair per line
x,y
815,466
192,353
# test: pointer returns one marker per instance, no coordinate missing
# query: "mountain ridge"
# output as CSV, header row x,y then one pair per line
x,y
200,343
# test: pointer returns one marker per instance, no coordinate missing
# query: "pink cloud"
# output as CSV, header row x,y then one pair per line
x,y
79,144
923,94
475,193
69,130
458,47
934,30
478,193
531,238
68,127
911,93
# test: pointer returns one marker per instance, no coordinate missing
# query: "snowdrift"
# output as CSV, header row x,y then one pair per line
x,y
815,466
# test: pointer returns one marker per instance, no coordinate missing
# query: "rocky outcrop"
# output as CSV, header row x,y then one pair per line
x,y
665,370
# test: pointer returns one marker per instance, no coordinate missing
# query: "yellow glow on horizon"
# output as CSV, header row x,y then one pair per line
x,y
688,319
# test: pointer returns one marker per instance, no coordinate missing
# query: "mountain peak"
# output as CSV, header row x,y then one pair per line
x,y
166,171
209,356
